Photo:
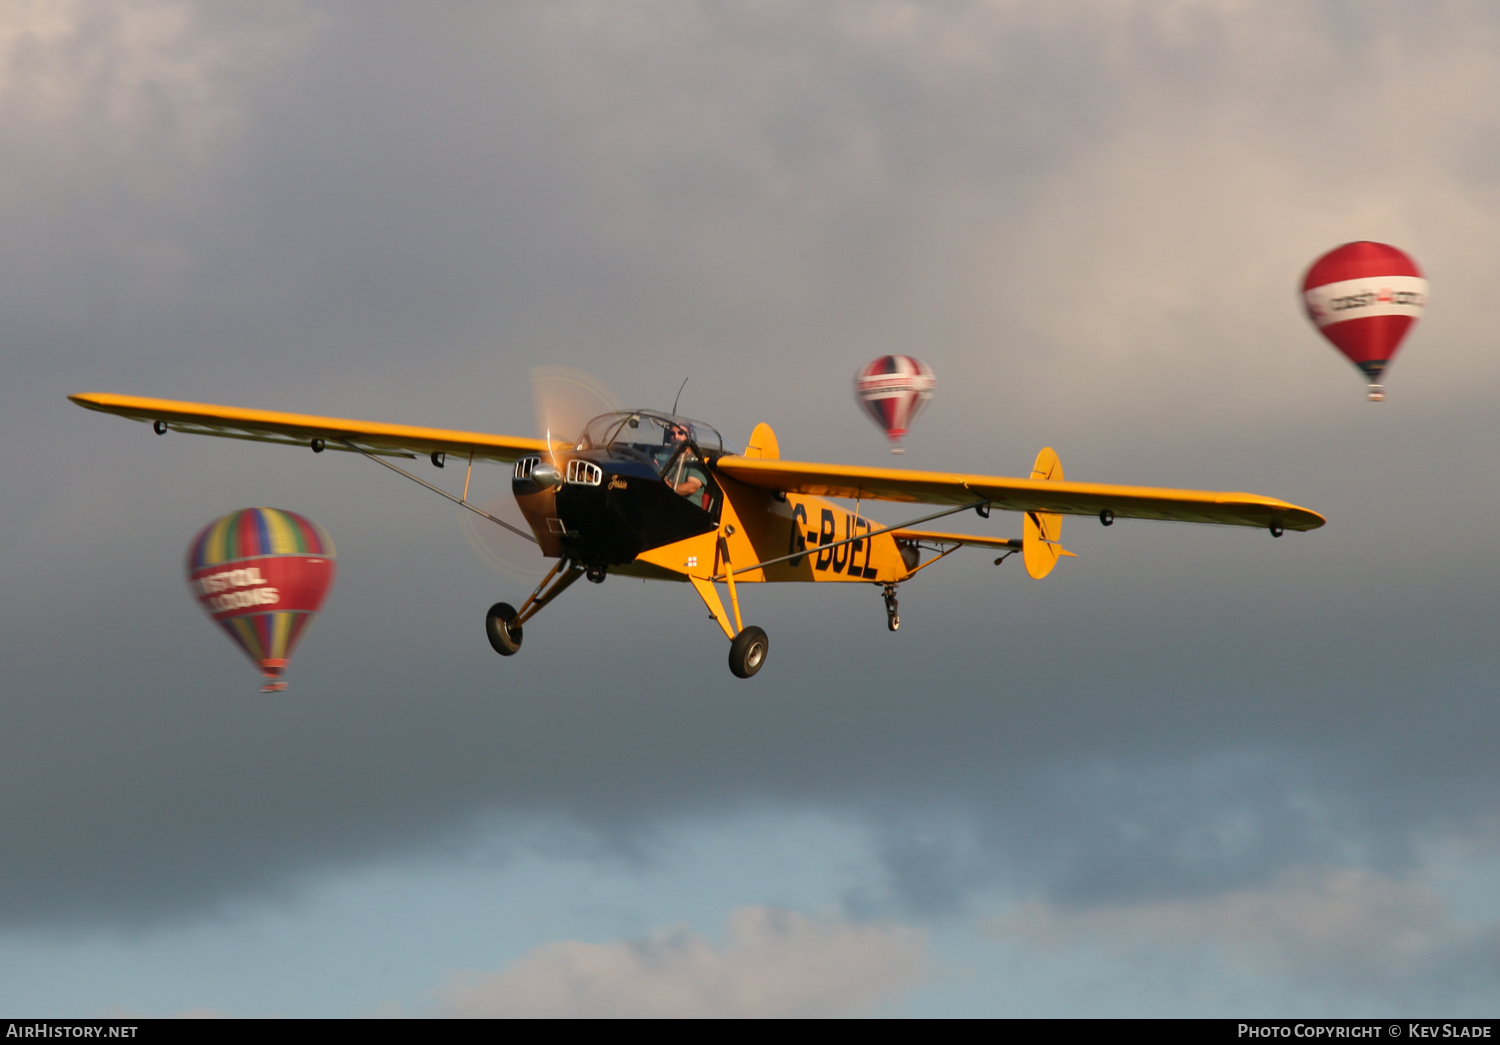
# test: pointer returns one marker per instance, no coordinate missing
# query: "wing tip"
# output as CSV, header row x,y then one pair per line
x,y
90,400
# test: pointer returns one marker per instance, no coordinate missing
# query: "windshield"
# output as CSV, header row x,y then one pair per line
x,y
656,436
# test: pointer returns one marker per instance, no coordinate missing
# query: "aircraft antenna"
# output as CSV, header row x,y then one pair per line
x,y
679,395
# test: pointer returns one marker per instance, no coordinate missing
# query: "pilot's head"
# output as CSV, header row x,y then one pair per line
x,y
677,433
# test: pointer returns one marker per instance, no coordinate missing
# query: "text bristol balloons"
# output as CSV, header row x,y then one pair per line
x,y
262,574
1364,297
893,390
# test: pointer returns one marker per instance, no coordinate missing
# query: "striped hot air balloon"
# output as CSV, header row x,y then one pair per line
x,y
262,574
893,390
1364,297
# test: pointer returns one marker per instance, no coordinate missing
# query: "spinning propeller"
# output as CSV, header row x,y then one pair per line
x,y
564,400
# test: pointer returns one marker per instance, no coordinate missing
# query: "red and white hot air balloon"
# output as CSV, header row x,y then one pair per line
x,y
1364,297
893,390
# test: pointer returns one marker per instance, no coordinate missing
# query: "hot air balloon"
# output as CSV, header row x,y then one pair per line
x,y
262,574
1364,297
893,390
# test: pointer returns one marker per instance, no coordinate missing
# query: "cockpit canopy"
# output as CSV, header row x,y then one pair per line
x,y
649,434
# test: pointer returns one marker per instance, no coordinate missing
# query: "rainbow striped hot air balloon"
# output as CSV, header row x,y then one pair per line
x,y
262,574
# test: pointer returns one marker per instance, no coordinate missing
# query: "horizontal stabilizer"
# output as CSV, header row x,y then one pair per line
x,y
965,539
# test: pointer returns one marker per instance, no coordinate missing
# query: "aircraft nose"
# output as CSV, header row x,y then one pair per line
x,y
534,475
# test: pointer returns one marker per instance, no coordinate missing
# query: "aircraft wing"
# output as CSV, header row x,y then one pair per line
x,y
267,426
1018,495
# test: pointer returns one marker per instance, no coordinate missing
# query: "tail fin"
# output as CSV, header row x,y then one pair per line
x,y
1042,530
763,444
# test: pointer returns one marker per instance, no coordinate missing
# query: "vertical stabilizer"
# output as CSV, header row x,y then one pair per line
x,y
1042,530
763,444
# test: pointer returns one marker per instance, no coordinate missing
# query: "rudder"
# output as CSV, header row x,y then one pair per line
x,y
1041,531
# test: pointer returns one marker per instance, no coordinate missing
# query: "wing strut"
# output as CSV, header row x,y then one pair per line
x,y
462,502
943,555
834,544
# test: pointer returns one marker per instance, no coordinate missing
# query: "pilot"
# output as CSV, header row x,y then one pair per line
x,y
690,485
677,435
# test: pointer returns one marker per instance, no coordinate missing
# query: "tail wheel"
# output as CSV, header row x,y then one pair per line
x,y
748,652
501,629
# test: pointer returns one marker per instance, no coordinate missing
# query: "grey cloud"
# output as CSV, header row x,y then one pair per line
x,y
1371,940
1091,222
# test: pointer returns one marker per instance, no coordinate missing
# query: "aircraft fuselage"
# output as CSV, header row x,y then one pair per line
x,y
606,511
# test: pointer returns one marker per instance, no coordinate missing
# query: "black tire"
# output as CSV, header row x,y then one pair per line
x,y
1276,530
501,629
893,621
747,653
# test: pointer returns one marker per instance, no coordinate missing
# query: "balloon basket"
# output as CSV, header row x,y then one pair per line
x,y
898,449
274,686
1376,394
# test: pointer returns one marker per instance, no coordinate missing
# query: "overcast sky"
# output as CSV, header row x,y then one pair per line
x,y
1196,771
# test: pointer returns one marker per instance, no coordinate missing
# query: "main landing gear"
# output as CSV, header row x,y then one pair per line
x,y
892,617
503,631
747,643
502,624
748,652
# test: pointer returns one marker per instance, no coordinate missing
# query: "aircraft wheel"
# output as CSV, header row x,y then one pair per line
x,y
1276,530
501,629
747,652
893,621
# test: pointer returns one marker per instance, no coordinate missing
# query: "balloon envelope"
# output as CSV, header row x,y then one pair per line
x,y
262,574
1364,298
893,390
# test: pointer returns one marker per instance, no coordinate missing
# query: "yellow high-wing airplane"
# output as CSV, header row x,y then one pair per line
x,y
649,494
